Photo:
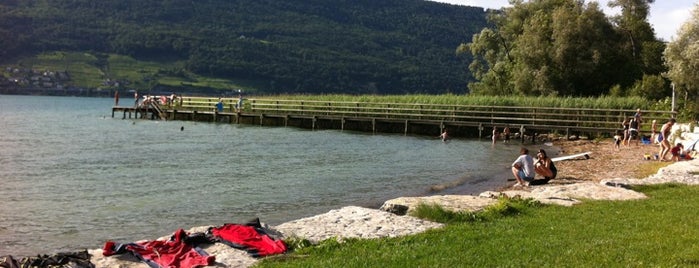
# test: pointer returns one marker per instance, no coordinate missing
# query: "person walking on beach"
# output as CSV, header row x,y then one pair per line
x,y
633,131
523,168
625,128
663,138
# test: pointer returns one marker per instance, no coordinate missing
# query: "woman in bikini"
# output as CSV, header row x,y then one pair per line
x,y
544,166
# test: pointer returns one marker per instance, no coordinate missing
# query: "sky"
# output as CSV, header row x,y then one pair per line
x,y
666,16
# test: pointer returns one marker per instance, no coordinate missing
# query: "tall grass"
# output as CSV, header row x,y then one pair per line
x,y
627,103
660,231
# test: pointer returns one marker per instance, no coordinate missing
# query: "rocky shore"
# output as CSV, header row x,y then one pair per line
x,y
359,222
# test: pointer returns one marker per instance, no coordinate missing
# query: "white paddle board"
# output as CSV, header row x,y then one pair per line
x,y
585,155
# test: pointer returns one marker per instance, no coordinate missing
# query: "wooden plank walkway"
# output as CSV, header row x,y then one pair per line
x,y
405,118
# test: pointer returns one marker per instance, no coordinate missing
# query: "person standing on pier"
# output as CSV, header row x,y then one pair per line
x,y
219,105
135,97
239,105
116,98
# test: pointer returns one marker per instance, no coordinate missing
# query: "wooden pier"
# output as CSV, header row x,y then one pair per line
x,y
405,118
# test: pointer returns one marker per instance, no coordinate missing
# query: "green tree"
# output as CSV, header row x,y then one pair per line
x,y
566,47
545,47
640,47
682,59
652,87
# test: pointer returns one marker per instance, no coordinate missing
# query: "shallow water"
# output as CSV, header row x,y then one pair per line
x,y
73,177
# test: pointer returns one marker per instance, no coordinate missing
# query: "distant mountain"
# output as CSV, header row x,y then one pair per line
x,y
284,46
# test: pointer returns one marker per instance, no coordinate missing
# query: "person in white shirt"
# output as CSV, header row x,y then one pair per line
x,y
523,168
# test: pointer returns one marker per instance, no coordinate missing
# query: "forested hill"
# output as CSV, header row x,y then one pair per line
x,y
285,46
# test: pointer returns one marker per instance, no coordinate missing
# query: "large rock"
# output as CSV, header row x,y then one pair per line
x,y
571,194
449,202
354,222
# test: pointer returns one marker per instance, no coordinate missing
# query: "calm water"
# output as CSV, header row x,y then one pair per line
x,y
73,177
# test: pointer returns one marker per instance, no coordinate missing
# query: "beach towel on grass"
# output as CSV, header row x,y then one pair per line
x,y
176,252
249,237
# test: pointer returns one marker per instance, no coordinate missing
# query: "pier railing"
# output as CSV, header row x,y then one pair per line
x,y
542,118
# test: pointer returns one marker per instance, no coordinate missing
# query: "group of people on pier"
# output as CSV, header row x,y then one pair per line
x,y
148,99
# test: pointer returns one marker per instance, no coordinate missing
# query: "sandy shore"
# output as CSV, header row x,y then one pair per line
x,y
605,176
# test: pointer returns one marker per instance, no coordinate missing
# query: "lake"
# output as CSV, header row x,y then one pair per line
x,y
73,177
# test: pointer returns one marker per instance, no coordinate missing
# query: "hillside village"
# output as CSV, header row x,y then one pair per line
x,y
26,81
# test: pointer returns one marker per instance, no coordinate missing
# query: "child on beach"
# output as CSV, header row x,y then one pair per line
x,y
617,139
677,152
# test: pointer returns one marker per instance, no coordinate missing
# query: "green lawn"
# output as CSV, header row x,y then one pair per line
x,y
661,231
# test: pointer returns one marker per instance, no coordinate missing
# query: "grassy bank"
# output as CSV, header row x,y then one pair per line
x,y
604,102
656,232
